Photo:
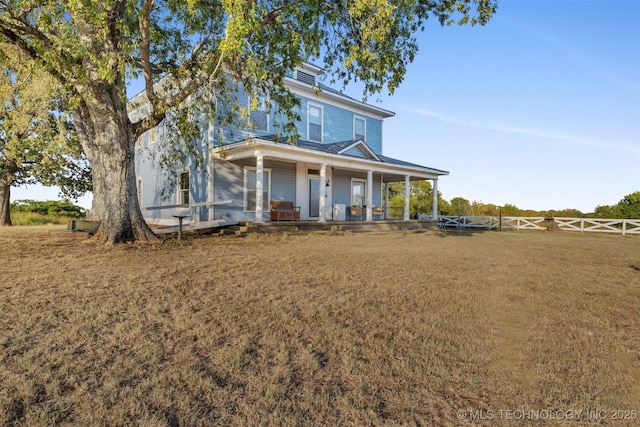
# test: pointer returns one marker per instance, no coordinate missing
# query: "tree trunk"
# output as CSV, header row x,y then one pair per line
x,y
5,202
108,140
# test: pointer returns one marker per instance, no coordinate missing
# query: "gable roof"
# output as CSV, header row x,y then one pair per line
x,y
347,148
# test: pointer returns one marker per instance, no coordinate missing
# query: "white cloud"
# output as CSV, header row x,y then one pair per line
x,y
556,136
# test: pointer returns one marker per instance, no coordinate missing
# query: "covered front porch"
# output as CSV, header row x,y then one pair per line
x,y
334,183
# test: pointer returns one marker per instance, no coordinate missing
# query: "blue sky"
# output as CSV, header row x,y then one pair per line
x,y
539,108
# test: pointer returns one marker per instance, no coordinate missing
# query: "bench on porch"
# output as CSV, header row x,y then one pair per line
x,y
283,210
357,212
377,212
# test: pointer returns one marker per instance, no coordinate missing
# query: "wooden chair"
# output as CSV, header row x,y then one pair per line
x,y
377,211
355,213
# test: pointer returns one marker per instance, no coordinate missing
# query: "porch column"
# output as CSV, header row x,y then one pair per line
x,y
259,186
434,214
407,194
386,200
211,195
323,191
370,195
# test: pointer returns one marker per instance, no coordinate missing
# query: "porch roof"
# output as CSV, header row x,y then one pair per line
x,y
337,154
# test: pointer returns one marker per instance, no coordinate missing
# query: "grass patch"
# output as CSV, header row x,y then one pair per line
x,y
32,218
339,329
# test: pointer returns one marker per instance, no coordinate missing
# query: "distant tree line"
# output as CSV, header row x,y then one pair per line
x,y
421,202
49,208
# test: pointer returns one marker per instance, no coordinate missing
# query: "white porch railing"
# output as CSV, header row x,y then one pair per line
x,y
590,225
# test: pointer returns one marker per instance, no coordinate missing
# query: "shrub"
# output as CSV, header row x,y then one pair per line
x,y
49,208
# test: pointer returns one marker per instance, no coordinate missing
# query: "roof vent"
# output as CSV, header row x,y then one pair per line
x,y
306,78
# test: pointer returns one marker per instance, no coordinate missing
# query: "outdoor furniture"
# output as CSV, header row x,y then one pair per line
x,y
180,218
355,212
283,210
378,212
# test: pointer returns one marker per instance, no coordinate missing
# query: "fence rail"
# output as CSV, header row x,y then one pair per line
x,y
589,225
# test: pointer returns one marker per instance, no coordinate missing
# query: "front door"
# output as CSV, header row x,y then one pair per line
x,y
314,197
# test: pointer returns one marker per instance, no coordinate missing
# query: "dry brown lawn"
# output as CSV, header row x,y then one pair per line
x,y
398,328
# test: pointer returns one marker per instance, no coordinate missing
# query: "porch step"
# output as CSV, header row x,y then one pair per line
x,y
227,231
352,226
240,230
243,229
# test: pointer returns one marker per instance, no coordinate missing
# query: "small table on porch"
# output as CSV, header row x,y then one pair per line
x,y
180,218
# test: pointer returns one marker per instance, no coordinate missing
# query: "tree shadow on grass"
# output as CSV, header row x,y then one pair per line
x,y
458,232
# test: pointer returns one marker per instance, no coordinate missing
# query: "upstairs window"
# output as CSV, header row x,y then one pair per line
x,y
359,128
183,188
315,123
153,135
147,138
259,114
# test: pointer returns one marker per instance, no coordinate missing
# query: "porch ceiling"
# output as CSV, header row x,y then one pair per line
x,y
392,170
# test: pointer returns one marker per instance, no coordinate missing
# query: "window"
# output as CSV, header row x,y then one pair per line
x,y
359,128
259,114
358,194
250,189
139,190
183,188
153,135
315,123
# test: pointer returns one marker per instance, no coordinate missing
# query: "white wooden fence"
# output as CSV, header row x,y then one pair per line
x,y
583,225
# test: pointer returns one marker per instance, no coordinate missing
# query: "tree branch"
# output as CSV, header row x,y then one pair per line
x,y
145,50
271,16
16,32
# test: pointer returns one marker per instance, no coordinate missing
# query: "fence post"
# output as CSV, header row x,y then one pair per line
x,y
624,226
582,225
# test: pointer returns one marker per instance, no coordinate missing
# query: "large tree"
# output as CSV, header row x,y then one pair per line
x,y
37,140
628,207
93,47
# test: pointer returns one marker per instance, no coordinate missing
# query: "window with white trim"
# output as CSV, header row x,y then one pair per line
x,y
358,192
259,113
153,135
139,190
250,189
359,128
183,188
315,123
